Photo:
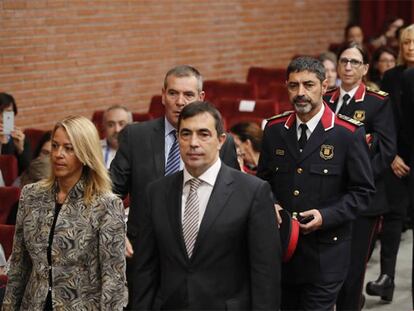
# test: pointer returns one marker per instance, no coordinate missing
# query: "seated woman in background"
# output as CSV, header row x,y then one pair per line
x,y
248,140
383,59
69,244
328,60
16,144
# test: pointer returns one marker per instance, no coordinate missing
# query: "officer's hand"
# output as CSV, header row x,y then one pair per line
x,y
129,251
312,225
399,167
278,218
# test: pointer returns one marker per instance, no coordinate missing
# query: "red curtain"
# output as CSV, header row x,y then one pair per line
x,y
373,14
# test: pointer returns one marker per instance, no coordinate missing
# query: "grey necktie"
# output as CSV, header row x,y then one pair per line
x,y
191,216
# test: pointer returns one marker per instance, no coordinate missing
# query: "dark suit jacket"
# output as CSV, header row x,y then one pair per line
x,y
140,160
332,174
236,258
375,111
407,107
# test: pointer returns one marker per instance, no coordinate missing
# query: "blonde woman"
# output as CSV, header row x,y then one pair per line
x,y
68,252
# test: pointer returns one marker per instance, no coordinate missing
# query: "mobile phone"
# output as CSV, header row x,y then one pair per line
x,y
305,219
8,122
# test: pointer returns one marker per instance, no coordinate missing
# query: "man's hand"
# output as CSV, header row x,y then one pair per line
x,y
399,167
128,248
278,218
314,224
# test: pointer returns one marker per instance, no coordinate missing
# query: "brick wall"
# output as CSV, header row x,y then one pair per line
x,y
59,56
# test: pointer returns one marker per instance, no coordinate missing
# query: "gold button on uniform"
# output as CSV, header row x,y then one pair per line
x,y
325,171
296,193
299,170
335,238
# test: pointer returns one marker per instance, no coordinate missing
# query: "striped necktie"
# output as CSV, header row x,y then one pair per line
x,y
191,216
173,160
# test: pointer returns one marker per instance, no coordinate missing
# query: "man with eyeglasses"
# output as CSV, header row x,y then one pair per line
x,y
354,100
318,167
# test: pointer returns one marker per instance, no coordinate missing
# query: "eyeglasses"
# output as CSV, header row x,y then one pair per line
x,y
354,62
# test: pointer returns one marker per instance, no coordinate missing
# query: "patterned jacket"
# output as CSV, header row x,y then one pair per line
x,y
88,261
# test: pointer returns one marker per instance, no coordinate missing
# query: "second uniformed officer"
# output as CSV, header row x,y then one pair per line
x,y
318,165
372,108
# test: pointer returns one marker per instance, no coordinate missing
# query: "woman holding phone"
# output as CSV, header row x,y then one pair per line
x,y
16,142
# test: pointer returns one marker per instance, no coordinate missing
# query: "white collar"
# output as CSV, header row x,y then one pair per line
x,y
209,176
351,93
312,123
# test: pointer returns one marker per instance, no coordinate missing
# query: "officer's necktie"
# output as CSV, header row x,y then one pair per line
x,y
173,160
303,138
191,216
344,108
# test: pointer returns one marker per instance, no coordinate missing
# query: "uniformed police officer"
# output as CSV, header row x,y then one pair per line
x,y
355,100
318,166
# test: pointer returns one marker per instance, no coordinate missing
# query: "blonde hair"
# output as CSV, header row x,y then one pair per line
x,y
404,33
87,148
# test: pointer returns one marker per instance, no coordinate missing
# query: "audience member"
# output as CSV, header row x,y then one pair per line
x,y
354,100
16,143
216,245
353,33
248,139
328,60
115,119
389,36
383,59
396,179
318,166
149,150
68,250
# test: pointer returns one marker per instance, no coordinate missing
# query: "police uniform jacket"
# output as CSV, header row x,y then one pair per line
x,y
373,108
332,174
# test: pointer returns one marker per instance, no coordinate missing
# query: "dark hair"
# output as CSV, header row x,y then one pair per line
x,y
349,26
328,55
251,131
184,71
6,100
374,74
306,63
199,107
351,45
44,139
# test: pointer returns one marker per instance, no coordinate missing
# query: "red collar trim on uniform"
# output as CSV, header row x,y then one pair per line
x,y
328,118
335,96
360,93
290,121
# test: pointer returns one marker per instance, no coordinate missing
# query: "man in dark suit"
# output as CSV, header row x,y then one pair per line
x,y
209,240
318,167
144,150
374,110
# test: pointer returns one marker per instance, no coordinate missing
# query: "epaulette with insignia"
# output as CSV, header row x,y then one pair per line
x,y
284,114
378,92
350,120
329,92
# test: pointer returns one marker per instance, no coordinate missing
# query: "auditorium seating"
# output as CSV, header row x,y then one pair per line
x,y
34,136
261,77
97,119
8,168
9,197
6,239
140,117
216,90
277,91
156,108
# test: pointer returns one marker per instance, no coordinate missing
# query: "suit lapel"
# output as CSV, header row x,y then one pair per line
x,y
173,201
218,199
158,143
290,138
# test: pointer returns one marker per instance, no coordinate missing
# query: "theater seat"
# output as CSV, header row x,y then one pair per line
x,y
8,168
261,77
156,108
9,197
216,90
97,119
140,117
34,136
278,92
6,239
